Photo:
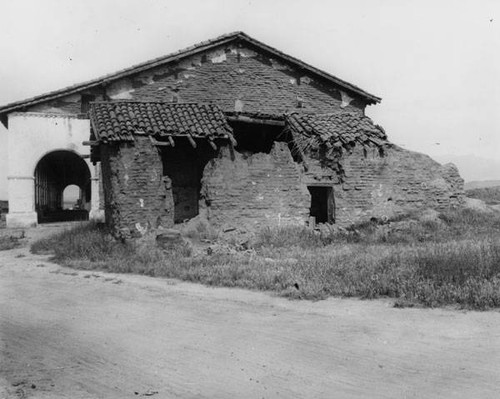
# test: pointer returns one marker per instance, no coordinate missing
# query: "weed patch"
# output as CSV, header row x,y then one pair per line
x,y
10,242
453,260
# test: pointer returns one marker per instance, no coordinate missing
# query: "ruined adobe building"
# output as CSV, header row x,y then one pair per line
x,y
230,128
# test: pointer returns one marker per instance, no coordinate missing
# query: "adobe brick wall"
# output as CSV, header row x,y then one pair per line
x,y
241,77
137,196
228,76
401,181
255,190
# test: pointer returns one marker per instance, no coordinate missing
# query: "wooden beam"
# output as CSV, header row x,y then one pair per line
x,y
92,143
233,141
247,119
158,143
191,140
212,144
171,141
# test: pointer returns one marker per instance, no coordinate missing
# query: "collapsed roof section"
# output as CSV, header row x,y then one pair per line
x,y
334,131
122,120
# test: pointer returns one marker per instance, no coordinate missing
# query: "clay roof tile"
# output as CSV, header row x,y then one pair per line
x,y
121,120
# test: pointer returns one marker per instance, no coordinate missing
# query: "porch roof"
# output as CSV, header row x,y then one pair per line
x,y
122,120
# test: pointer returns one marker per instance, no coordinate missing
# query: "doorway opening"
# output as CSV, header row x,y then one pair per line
x,y
322,204
71,197
62,178
184,166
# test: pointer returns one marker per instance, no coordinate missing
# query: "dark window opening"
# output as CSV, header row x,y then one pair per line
x,y
184,165
322,204
256,137
86,100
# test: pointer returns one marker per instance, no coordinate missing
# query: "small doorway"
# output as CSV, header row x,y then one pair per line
x,y
322,204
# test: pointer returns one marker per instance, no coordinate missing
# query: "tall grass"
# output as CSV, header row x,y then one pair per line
x,y
490,195
10,242
451,261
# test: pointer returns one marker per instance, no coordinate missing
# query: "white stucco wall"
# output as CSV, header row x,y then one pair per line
x,y
3,162
32,136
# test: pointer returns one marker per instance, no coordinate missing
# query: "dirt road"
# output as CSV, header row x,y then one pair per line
x,y
77,334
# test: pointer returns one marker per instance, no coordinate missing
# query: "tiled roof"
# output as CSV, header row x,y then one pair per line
x,y
178,55
122,120
334,130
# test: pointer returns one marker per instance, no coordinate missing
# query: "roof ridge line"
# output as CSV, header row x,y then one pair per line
x,y
193,49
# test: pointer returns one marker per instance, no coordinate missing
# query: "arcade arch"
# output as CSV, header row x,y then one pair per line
x,y
53,173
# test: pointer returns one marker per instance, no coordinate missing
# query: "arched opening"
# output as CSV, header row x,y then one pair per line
x,y
61,176
72,196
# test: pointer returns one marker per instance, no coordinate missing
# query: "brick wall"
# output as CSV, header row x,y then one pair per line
x,y
255,190
398,182
241,77
137,196
144,189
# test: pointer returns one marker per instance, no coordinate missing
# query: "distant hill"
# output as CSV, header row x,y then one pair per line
x,y
470,185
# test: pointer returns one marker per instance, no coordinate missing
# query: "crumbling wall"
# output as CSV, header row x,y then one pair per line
x,y
70,104
255,190
379,186
237,79
137,195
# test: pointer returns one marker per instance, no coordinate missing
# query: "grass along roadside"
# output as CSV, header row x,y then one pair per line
x,y
452,260
11,240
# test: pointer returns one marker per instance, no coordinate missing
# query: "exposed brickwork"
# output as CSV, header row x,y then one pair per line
x,y
255,190
146,188
236,77
69,105
137,196
400,181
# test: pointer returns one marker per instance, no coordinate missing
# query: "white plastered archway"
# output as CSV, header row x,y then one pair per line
x,y
31,136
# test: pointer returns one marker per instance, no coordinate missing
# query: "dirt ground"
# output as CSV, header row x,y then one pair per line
x,y
77,334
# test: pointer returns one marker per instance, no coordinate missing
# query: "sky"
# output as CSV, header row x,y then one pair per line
x,y
436,64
